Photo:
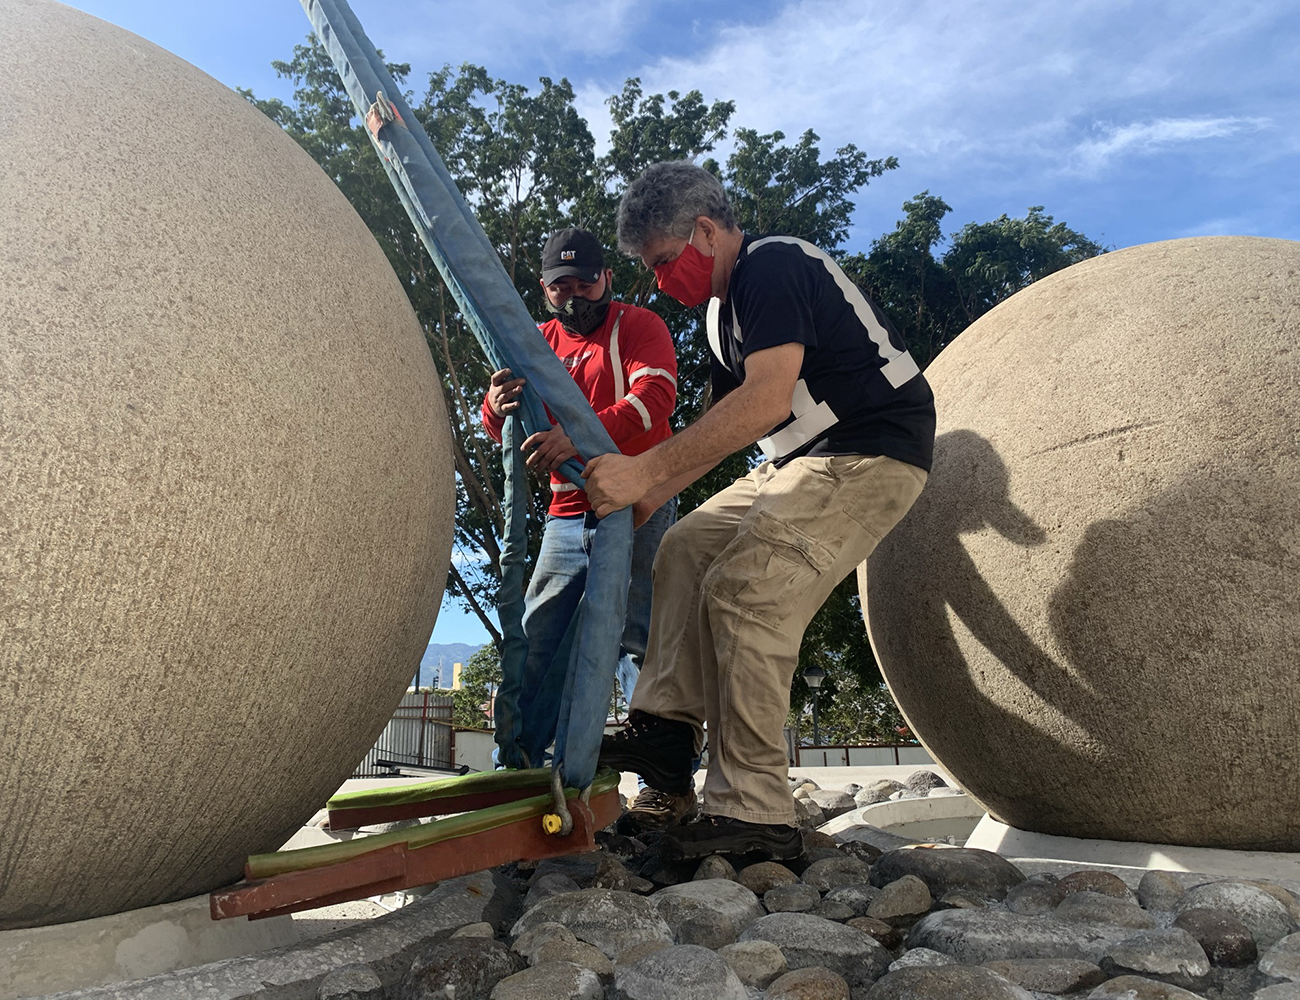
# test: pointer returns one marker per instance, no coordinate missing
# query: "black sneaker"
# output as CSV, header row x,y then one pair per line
x,y
660,750
656,810
724,835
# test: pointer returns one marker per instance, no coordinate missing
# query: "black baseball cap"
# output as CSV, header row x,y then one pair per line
x,y
572,252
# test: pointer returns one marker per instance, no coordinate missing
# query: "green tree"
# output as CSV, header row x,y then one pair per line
x,y
932,295
479,679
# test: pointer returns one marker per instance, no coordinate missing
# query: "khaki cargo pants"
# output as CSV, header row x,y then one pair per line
x,y
736,582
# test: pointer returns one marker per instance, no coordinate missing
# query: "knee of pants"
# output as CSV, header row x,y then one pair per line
x,y
683,547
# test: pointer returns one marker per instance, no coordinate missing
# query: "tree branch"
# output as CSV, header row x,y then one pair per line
x,y
466,593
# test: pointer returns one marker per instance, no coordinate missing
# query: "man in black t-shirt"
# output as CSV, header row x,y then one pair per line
x,y
805,366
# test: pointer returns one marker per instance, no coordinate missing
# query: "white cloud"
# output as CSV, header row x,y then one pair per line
x,y
1148,137
936,82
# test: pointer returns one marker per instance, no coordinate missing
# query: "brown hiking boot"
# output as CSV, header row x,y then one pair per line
x,y
656,810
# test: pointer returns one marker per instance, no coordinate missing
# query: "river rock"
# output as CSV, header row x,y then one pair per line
x,y
834,871
715,866
1278,991
1034,898
482,929
812,855
1170,955
1268,919
612,921
812,983
579,867
1282,960
711,912
796,898
530,941
579,953
471,966
857,896
860,849
547,886
1093,908
639,951
1093,880
1224,939
766,875
832,804
890,937
551,981
351,982
808,813
1140,988
957,869
815,839
1160,890
757,963
877,791
828,909
680,972
610,874
923,781
902,901
919,958
978,936
1282,894
1049,975
949,982
807,940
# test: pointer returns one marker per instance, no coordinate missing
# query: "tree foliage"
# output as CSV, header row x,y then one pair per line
x,y
932,293
526,161
479,679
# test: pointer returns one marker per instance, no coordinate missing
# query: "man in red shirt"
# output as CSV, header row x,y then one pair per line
x,y
622,358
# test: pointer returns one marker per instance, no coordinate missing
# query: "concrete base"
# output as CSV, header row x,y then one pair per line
x,y
991,835
129,945
294,972
911,820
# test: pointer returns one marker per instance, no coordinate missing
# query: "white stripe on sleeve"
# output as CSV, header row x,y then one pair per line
x,y
640,408
643,372
620,388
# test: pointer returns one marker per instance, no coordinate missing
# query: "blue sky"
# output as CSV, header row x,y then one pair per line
x,y
1130,122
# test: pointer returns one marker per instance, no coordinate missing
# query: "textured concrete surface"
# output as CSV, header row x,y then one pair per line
x,y
387,944
226,490
1018,845
1090,616
131,945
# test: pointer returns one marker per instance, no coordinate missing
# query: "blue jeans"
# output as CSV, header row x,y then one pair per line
x,y
551,603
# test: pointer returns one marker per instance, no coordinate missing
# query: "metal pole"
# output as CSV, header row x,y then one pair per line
x,y
817,737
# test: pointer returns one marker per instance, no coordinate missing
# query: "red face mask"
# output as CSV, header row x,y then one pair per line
x,y
688,277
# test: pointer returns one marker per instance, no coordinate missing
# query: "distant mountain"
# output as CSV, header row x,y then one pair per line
x,y
436,664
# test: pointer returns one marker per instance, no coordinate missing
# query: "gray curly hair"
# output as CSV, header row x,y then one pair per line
x,y
666,200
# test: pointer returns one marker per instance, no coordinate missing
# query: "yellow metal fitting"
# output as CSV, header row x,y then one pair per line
x,y
551,823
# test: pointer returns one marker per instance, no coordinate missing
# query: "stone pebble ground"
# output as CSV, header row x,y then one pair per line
x,y
848,921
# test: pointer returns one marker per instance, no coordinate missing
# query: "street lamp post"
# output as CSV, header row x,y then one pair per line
x,y
813,678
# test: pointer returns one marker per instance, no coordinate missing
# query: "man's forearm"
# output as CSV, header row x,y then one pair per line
x,y
658,496
736,421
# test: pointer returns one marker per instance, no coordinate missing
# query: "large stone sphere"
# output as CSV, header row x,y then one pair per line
x,y
1092,614
225,490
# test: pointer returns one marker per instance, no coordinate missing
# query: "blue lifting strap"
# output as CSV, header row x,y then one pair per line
x,y
570,705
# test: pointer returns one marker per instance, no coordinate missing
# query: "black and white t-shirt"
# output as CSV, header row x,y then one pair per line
x,y
859,390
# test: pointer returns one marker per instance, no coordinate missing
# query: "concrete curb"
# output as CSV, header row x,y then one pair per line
x,y
387,944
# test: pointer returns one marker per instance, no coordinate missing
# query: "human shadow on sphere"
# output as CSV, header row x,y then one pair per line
x,y
921,577
1185,615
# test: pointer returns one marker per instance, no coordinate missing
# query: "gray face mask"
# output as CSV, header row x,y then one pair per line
x,y
580,316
